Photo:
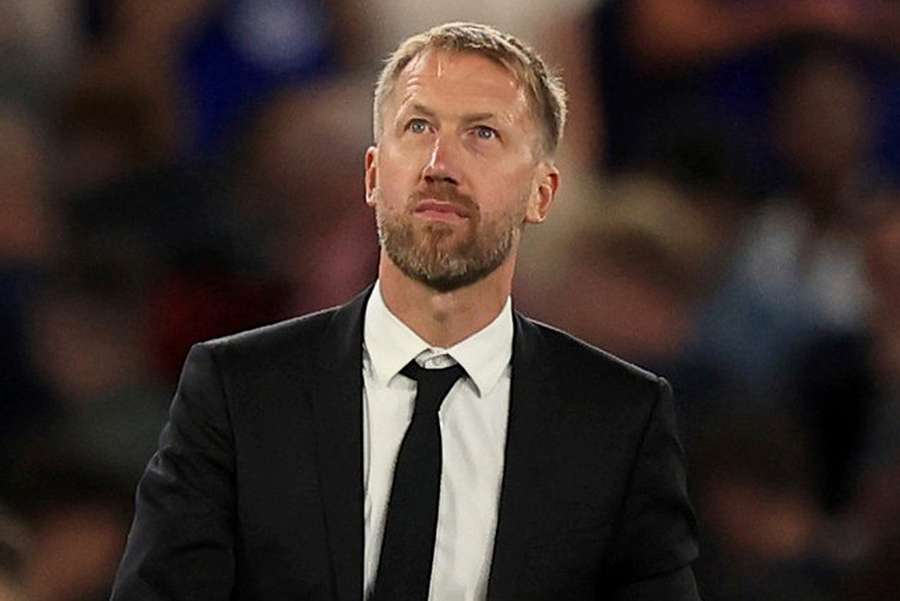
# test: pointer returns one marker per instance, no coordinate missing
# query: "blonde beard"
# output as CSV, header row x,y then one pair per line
x,y
426,255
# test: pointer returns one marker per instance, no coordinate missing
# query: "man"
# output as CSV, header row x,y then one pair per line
x,y
299,462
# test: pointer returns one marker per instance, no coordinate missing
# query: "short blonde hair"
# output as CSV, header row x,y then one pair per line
x,y
545,90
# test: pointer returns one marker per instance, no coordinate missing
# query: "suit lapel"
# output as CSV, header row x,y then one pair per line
x,y
337,405
533,407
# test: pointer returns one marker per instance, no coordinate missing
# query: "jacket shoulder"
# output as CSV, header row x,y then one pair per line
x,y
581,360
292,342
304,327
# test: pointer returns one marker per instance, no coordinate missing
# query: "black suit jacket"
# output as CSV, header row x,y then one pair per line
x,y
256,490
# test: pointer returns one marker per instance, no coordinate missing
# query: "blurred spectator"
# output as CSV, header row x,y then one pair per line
x,y
845,398
639,263
28,240
667,71
131,51
761,526
185,231
89,341
635,261
300,194
200,65
168,232
798,266
850,392
247,50
105,135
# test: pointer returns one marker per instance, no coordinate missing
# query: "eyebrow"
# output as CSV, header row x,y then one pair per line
x,y
424,110
478,117
421,108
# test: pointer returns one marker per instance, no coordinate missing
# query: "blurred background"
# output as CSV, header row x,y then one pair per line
x,y
176,170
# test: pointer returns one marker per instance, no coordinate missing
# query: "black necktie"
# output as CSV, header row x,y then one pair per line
x,y
407,549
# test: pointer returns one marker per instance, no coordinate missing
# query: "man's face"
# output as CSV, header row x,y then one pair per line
x,y
456,173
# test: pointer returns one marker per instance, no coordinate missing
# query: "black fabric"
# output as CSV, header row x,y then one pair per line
x,y
407,549
257,492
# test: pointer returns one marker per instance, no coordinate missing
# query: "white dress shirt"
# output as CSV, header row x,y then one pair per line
x,y
473,434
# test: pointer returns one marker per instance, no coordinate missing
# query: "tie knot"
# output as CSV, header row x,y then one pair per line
x,y
433,384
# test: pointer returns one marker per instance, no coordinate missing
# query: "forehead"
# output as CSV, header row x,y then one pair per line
x,y
465,81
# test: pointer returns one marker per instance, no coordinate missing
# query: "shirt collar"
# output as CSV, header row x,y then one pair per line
x,y
391,344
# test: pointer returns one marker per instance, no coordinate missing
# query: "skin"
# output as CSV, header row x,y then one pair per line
x,y
458,163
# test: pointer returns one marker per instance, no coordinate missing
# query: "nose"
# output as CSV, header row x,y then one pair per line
x,y
442,163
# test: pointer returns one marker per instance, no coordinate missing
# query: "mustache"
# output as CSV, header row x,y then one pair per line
x,y
443,192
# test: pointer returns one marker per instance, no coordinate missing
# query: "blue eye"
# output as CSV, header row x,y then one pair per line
x,y
485,133
417,126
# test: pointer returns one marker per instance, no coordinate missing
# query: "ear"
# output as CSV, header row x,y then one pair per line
x,y
546,184
371,174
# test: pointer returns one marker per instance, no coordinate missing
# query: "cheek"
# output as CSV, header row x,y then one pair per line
x,y
398,168
392,196
505,190
391,177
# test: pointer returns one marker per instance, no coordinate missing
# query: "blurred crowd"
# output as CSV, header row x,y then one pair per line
x,y
177,170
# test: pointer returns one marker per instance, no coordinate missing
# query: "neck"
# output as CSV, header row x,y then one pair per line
x,y
445,318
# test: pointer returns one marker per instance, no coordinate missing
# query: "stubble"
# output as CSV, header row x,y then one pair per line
x,y
440,255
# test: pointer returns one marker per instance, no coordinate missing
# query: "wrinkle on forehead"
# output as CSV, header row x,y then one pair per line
x,y
461,76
